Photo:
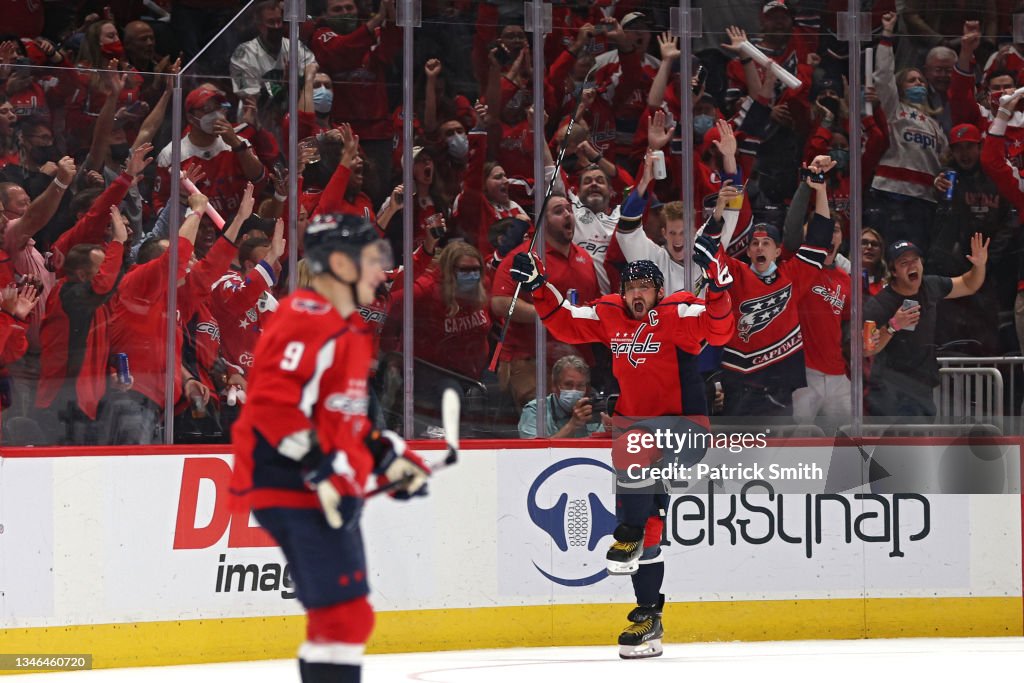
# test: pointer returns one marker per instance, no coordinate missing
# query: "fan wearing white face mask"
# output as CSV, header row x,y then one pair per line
x,y
569,410
213,143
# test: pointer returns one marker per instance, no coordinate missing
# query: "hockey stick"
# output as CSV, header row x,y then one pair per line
x,y
540,219
450,409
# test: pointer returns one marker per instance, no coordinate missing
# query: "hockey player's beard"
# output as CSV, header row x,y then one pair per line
x,y
638,309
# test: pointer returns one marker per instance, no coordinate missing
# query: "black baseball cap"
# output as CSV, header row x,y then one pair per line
x,y
900,247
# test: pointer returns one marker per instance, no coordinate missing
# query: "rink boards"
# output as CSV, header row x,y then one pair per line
x,y
134,556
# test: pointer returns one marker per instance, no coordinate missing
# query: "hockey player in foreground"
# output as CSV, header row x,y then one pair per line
x,y
304,447
654,340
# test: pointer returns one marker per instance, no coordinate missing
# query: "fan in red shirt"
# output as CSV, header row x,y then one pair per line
x,y
824,315
358,57
75,340
15,303
139,309
484,199
624,76
452,317
343,193
568,267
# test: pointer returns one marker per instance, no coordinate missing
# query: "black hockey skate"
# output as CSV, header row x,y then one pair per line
x,y
642,638
624,555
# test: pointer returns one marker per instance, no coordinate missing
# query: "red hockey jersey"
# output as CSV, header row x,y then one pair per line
x,y
225,181
242,306
768,344
655,359
310,373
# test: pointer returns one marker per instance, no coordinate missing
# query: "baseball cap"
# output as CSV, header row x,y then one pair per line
x,y
200,96
827,83
634,18
767,230
900,247
775,4
711,136
416,151
965,132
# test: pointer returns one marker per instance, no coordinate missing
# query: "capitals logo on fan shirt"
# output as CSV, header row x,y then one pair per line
x,y
634,347
834,298
757,314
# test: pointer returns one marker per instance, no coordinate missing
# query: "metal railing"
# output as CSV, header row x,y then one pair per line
x,y
971,392
1007,367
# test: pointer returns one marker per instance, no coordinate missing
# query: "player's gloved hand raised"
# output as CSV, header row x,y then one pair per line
x,y
340,494
526,269
395,462
706,251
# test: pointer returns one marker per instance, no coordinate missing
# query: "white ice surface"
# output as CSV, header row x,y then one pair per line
x,y
867,661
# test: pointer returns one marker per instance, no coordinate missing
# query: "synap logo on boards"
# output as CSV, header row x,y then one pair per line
x,y
578,522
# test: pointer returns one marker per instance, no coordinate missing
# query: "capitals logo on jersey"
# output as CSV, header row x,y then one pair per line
x,y
210,328
353,401
310,306
636,346
757,314
834,298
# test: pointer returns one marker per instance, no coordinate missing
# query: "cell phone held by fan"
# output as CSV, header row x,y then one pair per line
x,y
503,55
700,78
808,174
909,303
831,104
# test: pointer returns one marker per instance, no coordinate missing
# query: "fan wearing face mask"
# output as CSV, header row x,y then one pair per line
x,y
902,186
358,54
101,49
568,409
981,108
452,319
222,150
268,52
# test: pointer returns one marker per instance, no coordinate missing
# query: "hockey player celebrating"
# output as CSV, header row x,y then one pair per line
x,y
654,341
303,441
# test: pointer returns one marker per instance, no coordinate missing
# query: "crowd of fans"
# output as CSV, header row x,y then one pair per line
x,y
86,164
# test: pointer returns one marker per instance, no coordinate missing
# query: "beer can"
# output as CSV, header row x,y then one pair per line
x,y
658,164
573,297
951,177
121,364
870,327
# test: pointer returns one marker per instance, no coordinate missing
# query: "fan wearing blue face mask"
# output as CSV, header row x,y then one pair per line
x,y
569,411
902,186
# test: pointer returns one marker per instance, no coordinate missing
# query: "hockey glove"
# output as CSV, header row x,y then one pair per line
x,y
340,494
525,269
395,462
706,255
